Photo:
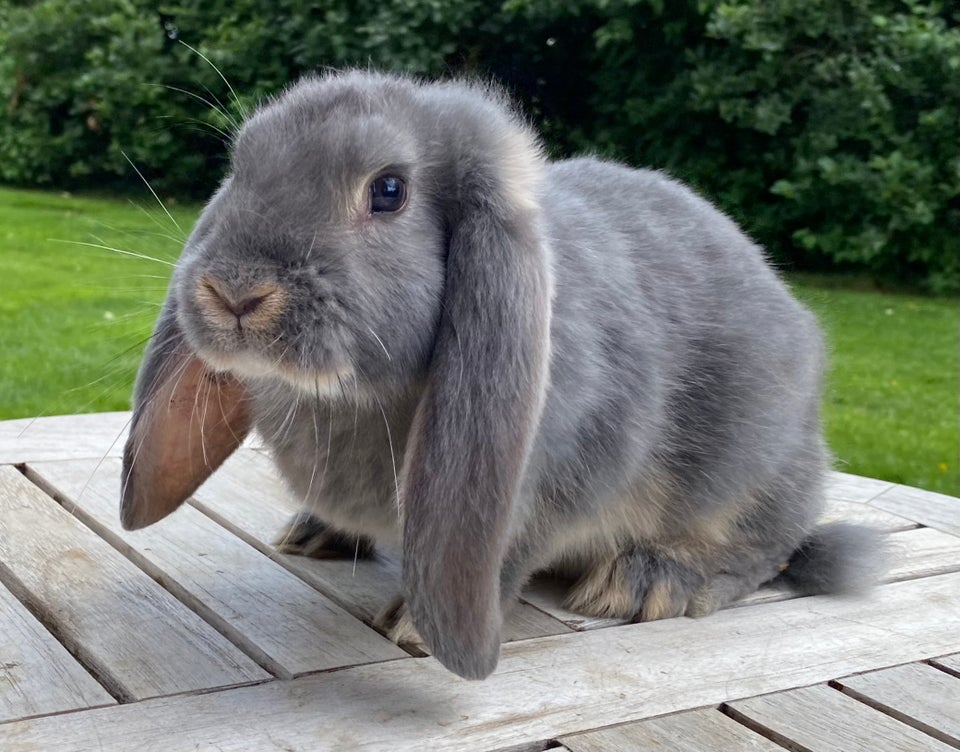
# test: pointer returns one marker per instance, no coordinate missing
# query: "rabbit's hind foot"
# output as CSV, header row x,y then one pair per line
x,y
638,584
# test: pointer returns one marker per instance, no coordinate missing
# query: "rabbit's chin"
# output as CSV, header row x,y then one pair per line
x,y
320,384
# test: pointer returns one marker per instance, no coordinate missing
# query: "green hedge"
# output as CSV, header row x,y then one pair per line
x,y
829,128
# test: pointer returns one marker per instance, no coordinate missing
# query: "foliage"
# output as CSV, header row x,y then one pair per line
x,y
828,129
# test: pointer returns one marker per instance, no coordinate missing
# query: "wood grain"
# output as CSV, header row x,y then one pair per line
x,y
821,719
692,731
547,687
916,694
132,633
274,616
37,674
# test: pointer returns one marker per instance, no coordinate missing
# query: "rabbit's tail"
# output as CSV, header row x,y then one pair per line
x,y
837,558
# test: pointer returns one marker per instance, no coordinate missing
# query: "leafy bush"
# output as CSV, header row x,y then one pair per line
x,y
829,130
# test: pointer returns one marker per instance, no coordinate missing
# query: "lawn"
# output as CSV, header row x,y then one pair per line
x,y
74,319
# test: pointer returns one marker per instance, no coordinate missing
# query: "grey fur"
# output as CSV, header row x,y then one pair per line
x,y
571,365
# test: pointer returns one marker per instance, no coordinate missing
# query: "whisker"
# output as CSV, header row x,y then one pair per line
x,y
207,387
380,341
139,233
326,459
179,241
393,457
219,107
150,188
316,456
196,125
74,504
207,60
110,248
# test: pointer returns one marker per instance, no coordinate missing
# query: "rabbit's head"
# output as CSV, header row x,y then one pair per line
x,y
389,232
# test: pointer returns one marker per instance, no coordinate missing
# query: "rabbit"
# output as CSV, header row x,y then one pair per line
x,y
501,364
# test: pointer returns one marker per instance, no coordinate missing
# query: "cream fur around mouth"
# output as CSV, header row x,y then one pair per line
x,y
312,383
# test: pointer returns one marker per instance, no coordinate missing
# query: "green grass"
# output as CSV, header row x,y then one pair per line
x,y
891,406
73,321
73,318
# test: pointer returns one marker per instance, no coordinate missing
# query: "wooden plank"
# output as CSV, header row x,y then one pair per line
x,y
277,618
63,437
37,674
136,637
863,514
855,488
247,496
919,695
543,688
821,719
926,507
692,731
921,553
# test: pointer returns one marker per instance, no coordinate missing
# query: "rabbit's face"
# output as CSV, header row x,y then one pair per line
x,y
321,258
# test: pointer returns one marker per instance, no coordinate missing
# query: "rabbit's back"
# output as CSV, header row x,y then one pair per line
x,y
676,350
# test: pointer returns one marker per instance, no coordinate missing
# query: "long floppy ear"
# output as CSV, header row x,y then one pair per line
x,y
187,419
474,427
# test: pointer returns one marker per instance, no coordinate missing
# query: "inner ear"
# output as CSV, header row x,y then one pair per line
x,y
183,430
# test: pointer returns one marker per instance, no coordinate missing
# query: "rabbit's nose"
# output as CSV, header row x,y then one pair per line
x,y
252,308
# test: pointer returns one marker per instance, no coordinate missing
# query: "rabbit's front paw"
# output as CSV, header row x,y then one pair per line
x,y
395,622
306,535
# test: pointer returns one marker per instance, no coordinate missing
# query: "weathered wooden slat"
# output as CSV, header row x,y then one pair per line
x,y
917,694
856,488
921,553
545,687
926,507
273,615
63,437
692,731
864,514
821,719
37,674
133,634
247,497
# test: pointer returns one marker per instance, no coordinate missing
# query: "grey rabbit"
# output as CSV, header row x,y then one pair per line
x,y
502,364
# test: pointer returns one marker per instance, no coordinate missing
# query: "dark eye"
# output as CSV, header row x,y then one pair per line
x,y
387,194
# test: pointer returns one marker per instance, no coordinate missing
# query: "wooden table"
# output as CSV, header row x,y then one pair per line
x,y
195,635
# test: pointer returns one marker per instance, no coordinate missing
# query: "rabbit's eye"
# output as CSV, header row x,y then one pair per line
x,y
387,194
